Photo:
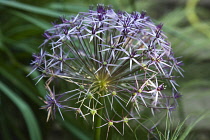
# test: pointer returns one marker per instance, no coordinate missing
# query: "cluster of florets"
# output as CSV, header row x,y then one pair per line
x,y
119,62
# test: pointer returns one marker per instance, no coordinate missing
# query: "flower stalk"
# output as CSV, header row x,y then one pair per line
x,y
97,135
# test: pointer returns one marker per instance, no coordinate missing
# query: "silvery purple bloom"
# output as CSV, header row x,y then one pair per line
x,y
118,62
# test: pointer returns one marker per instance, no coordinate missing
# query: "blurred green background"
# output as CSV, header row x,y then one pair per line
x,y
22,23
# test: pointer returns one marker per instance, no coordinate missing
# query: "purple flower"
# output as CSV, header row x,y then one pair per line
x,y
52,104
113,59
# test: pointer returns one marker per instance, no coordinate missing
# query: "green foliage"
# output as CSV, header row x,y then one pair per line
x,y
31,8
181,131
28,115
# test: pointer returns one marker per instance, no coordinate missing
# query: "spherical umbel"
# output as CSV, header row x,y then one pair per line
x,y
114,59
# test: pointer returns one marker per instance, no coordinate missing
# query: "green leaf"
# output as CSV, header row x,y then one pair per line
x,y
31,8
26,88
36,21
25,110
191,126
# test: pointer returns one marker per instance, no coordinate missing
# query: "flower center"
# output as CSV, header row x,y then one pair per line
x,y
104,63
103,84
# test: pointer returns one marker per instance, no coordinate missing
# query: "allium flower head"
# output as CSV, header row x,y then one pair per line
x,y
119,62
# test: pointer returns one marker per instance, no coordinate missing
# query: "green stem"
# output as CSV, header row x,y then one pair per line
x,y
97,135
